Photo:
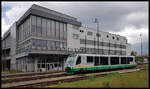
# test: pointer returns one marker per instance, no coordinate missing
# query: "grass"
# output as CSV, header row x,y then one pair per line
x,y
137,79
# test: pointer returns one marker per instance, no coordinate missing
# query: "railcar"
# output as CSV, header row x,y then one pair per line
x,y
92,62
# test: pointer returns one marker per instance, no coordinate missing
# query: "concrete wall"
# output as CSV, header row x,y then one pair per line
x,y
71,42
13,46
103,38
128,50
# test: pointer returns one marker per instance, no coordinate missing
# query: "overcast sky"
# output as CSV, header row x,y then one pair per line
x,y
128,19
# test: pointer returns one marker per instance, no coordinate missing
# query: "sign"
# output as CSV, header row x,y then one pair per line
x,y
27,51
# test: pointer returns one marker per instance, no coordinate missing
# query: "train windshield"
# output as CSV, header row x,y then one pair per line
x,y
70,60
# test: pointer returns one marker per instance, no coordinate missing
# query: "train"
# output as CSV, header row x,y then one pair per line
x,y
77,63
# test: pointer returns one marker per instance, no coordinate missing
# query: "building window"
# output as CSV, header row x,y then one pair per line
x,y
57,44
81,31
61,44
44,27
43,43
76,36
49,44
117,38
107,36
53,43
113,37
49,28
53,29
61,31
33,29
65,31
57,30
89,33
39,27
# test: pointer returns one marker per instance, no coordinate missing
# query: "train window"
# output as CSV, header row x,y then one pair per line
x,y
78,60
96,62
128,60
114,60
103,60
89,58
123,60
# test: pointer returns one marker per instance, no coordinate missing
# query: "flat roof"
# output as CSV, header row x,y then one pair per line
x,y
47,13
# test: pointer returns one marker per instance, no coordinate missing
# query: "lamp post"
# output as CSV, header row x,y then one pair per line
x,y
141,45
85,44
96,21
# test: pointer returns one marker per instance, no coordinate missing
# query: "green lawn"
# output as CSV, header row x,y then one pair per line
x,y
137,79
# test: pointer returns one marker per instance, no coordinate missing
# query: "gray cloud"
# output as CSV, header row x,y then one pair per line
x,y
111,14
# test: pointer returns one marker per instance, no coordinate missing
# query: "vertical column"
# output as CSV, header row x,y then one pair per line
x,y
119,60
63,64
35,64
109,61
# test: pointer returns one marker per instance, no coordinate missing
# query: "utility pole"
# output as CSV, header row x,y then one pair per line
x,y
96,21
94,44
121,48
102,47
85,43
109,47
141,45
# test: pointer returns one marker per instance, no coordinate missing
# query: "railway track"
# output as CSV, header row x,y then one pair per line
x,y
27,74
52,79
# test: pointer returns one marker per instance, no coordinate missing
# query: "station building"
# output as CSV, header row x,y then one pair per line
x,y
42,39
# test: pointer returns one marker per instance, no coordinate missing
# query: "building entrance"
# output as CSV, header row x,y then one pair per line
x,y
50,64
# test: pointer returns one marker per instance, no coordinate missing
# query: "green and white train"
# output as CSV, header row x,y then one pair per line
x,y
92,62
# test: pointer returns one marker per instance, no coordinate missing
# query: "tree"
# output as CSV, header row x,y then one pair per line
x,y
133,53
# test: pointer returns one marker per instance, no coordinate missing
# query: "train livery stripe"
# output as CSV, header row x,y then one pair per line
x,y
72,71
84,66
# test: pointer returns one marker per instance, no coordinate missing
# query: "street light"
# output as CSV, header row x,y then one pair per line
x,y
96,21
141,44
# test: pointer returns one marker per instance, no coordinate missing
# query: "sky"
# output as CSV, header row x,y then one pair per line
x,y
129,19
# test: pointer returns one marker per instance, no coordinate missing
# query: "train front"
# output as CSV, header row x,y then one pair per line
x,y
69,65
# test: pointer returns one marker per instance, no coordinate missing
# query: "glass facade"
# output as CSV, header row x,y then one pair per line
x,y
39,27
48,43
44,28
